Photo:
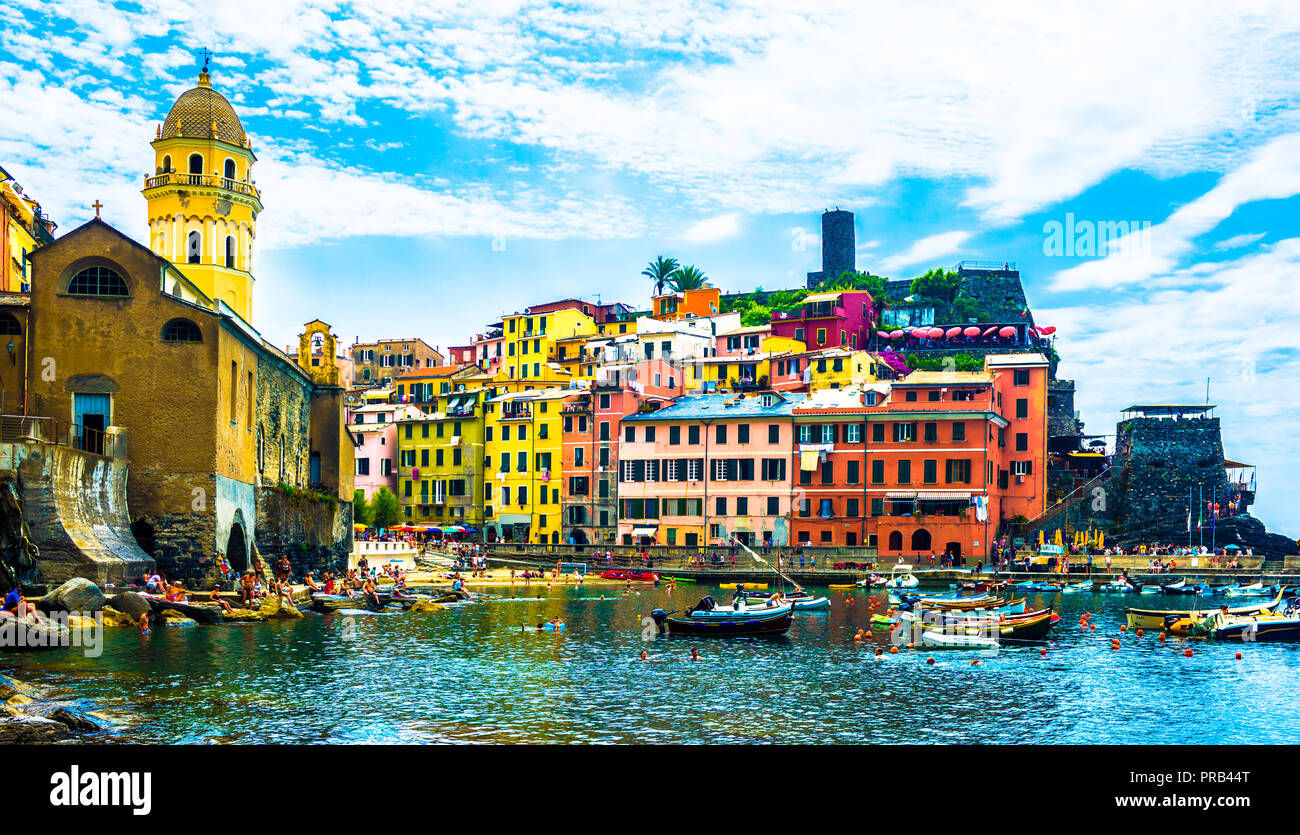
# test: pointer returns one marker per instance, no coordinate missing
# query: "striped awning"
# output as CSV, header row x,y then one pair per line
x,y
928,494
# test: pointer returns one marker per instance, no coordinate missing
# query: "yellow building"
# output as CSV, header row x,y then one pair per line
x,y
841,368
531,341
523,467
22,230
203,204
440,462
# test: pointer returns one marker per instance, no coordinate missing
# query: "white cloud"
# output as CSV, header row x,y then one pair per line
x,y
926,249
1238,241
1271,172
713,229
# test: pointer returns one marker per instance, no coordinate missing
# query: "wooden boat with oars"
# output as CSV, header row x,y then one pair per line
x,y
1157,618
967,604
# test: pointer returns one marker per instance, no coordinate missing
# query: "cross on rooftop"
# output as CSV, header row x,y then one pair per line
x,y
96,206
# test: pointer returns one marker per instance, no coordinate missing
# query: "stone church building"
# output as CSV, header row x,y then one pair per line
x,y
149,348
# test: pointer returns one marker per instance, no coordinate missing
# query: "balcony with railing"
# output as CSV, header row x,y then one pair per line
x,y
176,178
109,442
516,411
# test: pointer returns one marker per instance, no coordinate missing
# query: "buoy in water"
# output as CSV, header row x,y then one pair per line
x,y
1238,655
1162,636
976,663
1188,652
1043,652
1123,628
893,650
1140,633
929,660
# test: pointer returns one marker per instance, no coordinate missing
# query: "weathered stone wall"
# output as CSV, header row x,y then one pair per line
x,y
283,417
315,533
1157,463
74,504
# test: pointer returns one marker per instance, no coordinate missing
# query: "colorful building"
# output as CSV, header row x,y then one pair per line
x,y
22,229
706,468
441,461
591,441
522,467
842,319
381,362
530,341
374,429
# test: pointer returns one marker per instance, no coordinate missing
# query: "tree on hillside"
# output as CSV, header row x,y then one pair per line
x,y
937,283
362,512
385,508
687,278
659,270
755,315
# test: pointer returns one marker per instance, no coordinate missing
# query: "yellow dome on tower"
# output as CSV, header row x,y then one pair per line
x,y
203,113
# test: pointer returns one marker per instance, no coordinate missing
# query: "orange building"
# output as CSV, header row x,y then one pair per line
x,y
933,463
699,303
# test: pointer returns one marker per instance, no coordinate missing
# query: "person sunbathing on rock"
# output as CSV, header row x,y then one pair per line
x,y
310,582
175,594
246,587
215,597
368,589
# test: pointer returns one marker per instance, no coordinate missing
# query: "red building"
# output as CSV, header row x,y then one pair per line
x,y
839,319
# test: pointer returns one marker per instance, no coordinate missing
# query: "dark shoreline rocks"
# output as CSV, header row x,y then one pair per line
x,y
26,717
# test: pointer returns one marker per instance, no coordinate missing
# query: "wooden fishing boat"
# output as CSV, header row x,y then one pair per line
x,y
748,586
1155,618
773,623
842,586
1219,591
1184,589
1033,627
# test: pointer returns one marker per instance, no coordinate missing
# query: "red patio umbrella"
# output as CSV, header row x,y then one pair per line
x,y
895,334
883,335
952,332
971,331
990,331
1007,331
1047,330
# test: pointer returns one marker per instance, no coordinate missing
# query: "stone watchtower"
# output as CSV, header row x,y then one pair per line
x,y
839,246
1163,454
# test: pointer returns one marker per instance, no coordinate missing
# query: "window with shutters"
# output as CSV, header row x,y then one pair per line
x,y
672,470
693,469
930,471
904,472
852,433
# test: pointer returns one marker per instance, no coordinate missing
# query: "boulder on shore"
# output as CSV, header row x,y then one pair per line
x,y
275,607
242,616
30,634
130,603
116,620
421,606
76,595
171,617
75,721
25,730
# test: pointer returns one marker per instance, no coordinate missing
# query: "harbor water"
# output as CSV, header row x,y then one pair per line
x,y
471,675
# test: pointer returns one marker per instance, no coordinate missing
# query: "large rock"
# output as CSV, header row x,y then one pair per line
x,y
76,595
25,730
171,617
75,721
275,607
29,634
242,616
116,620
422,606
130,603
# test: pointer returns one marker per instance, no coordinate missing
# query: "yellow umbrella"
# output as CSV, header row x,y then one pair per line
x,y
1057,538
1041,540
1101,539
357,526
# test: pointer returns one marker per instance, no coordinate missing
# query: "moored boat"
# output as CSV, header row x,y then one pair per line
x,y
1075,588
771,623
1156,618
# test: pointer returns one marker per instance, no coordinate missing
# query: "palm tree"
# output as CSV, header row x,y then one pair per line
x,y
660,270
688,278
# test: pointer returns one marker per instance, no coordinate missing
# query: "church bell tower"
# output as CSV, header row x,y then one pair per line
x,y
203,205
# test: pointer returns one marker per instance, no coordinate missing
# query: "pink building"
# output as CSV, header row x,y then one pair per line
x,y
374,428
706,468
742,341
841,318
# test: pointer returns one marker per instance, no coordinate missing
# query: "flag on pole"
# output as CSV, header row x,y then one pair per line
x,y
1189,520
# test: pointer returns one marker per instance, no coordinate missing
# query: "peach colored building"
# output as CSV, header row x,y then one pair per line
x,y
706,468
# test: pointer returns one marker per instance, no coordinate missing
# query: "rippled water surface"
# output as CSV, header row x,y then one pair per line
x,y
469,674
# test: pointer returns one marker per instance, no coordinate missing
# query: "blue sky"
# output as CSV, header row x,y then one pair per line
x,y
428,166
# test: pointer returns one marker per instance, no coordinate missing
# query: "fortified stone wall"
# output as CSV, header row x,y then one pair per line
x,y
315,533
1000,294
1158,463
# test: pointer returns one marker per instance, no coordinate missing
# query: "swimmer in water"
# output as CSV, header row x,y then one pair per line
x,y
645,656
695,654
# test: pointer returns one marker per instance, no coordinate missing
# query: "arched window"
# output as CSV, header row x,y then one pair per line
x,y
230,251
196,163
9,325
97,281
895,540
167,164
230,169
194,250
181,330
921,540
